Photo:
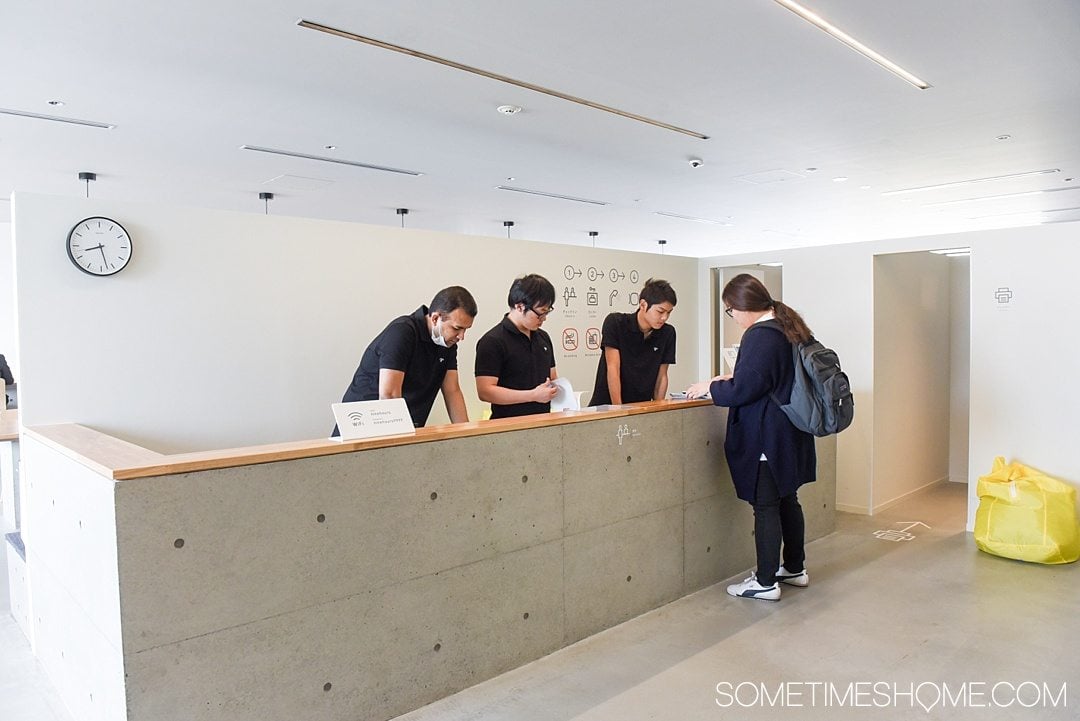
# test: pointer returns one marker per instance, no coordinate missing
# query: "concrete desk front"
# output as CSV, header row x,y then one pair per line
x,y
9,469
340,581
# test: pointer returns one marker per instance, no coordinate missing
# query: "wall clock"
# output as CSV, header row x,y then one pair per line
x,y
99,246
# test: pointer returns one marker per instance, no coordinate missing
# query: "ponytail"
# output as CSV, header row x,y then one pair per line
x,y
745,292
795,328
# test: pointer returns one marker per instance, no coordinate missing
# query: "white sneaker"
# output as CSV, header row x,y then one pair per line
x,y
801,579
750,588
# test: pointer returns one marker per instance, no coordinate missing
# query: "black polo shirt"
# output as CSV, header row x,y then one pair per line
x,y
640,358
405,345
520,362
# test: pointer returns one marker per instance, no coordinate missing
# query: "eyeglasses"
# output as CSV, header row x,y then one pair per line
x,y
541,314
728,313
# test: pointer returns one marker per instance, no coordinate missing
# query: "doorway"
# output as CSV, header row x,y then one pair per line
x,y
726,332
922,334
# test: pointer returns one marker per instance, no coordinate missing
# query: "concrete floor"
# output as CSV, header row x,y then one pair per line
x,y
930,612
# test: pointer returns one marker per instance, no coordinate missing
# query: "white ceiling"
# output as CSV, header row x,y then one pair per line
x,y
187,83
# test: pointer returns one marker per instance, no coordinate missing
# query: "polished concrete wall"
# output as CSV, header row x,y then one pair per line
x,y
366,584
71,581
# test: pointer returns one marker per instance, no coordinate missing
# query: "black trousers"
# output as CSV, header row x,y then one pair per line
x,y
776,519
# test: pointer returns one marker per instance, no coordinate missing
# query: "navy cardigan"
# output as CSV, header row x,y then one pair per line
x,y
755,422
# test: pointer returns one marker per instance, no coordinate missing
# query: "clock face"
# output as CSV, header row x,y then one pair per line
x,y
99,246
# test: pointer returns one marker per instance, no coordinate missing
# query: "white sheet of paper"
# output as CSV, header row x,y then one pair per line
x,y
730,354
566,399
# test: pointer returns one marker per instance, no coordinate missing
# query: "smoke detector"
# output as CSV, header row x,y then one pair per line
x,y
509,109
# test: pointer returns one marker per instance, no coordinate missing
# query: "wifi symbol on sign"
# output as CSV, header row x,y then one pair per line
x,y
357,418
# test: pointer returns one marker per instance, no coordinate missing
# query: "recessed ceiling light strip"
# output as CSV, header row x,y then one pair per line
x,y
999,197
339,161
823,24
691,218
495,76
973,181
57,118
1025,212
550,195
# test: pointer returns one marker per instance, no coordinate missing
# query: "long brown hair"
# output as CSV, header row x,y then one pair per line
x,y
745,292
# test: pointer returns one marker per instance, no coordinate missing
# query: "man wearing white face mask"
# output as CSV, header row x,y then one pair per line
x,y
416,356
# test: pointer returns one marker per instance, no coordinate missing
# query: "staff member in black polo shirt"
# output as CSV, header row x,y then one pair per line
x,y
638,348
515,360
416,356
9,381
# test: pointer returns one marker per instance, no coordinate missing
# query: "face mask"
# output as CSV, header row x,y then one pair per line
x,y
436,335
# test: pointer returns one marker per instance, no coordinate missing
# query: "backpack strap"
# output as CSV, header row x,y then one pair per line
x,y
795,356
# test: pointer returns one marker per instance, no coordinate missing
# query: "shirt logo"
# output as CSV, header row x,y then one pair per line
x,y
443,359
655,348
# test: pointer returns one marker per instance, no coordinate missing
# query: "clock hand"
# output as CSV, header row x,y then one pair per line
x,y
103,258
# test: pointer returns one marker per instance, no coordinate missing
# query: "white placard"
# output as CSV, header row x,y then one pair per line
x,y
372,419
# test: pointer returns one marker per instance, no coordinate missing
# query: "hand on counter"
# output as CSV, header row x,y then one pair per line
x,y
701,388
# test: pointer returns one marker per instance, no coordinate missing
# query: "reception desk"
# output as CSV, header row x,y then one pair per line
x,y
359,580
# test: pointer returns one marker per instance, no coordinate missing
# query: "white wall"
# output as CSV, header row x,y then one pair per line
x,y
959,366
1022,403
911,374
7,300
1024,395
232,329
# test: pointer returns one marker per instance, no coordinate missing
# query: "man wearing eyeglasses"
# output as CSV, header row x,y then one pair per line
x,y
515,360
638,348
416,356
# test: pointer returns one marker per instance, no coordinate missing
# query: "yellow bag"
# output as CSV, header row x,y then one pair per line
x,y
1026,515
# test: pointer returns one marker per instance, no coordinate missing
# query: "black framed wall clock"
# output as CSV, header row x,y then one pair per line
x,y
99,246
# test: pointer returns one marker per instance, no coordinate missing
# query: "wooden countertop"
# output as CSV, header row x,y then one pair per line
x,y
9,425
119,460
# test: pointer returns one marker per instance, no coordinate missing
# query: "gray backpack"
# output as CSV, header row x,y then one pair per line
x,y
821,401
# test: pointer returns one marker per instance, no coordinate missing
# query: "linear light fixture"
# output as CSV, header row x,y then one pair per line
x,y
494,76
57,119
1024,212
999,197
823,24
952,251
972,181
339,161
550,195
692,218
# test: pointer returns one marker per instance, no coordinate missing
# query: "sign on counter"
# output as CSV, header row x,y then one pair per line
x,y
372,419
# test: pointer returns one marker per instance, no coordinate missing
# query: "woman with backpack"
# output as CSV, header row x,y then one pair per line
x,y
769,458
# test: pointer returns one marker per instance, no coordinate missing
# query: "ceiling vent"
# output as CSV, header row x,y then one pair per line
x,y
769,176
297,183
